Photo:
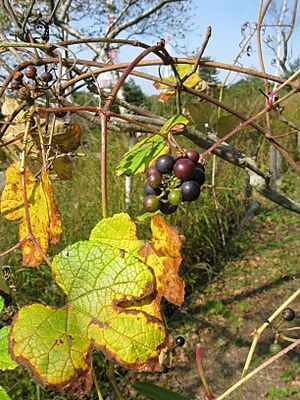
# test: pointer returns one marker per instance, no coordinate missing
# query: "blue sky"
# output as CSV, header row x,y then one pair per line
x,y
226,19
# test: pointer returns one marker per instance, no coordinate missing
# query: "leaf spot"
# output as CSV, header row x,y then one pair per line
x,y
122,253
65,254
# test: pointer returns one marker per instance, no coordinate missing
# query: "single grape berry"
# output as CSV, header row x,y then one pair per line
x,y
46,76
199,176
180,340
190,190
175,197
275,348
148,190
201,166
154,180
61,114
18,76
184,169
164,163
23,93
166,208
151,203
151,170
288,314
30,72
193,155
15,85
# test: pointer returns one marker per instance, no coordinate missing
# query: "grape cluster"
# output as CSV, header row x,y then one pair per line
x,y
25,87
172,180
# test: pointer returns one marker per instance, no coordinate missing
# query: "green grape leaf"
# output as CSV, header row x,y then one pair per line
x,y
6,363
174,124
111,305
118,231
3,394
138,158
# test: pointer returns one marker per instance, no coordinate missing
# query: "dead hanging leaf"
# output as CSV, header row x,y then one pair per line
x,y
163,255
63,168
65,139
194,81
43,214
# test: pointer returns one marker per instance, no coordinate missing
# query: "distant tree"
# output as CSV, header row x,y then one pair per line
x,y
133,93
74,19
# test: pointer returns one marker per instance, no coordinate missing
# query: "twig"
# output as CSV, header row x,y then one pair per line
x,y
53,12
112,379
232,133
257,333
28,13
258,369
200,54
16,246
96,384
11,12
219,220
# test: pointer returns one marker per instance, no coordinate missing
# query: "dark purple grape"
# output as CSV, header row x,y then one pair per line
x,y
184,169
180,340
164,163
166,208
151,203
148,190
154,180
193,155
190,190
199,176
46,76
151,170
61,114
288,314
199,165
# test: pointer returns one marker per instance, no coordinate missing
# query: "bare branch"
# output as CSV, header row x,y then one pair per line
x,y
140,17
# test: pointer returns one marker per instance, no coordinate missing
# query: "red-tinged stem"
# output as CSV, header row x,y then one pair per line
x,y
105,114
59,110
103,124
5,83
233,132
16,246
207,390
276,90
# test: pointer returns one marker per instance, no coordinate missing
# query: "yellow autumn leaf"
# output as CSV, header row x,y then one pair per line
x,y
192,81
43,214
162,253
